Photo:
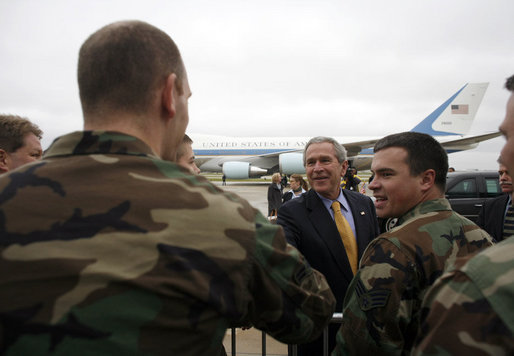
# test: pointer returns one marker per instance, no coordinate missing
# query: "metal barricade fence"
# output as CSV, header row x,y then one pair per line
x,y
336,318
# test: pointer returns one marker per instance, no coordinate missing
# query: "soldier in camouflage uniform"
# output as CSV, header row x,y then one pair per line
x,y
469,311
382,305
105,249
470,308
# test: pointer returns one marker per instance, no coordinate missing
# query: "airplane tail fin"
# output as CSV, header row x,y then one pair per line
x,y
455,115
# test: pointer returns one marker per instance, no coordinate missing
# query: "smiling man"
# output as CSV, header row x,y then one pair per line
x,y
469,310
331,227
19,142
381,309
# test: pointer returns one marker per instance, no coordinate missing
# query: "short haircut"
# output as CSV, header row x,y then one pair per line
x,y
509,83
423,152
182,147
339,149
122,64
13,130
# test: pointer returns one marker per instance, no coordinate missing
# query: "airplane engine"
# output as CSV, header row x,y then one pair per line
x,y
290,163
241,170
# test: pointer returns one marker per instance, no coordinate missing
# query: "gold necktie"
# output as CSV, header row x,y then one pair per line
x,y
349,242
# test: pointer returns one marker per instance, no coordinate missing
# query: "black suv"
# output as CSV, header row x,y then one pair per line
x,y
468,190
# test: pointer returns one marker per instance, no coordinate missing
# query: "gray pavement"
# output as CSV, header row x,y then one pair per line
x,y
248,343
255,192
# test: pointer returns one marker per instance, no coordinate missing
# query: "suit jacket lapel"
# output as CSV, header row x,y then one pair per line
x,y
327,231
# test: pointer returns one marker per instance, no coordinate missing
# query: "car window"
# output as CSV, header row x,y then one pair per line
x,y
466,188
492,186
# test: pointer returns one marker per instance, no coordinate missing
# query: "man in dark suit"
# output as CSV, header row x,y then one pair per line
x,y
310,225
494,211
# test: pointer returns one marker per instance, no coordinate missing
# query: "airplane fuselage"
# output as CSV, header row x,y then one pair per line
x,y
211,152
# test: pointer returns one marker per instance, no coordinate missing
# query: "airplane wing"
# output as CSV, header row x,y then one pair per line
x,y
362,159
356,147
463,143
467,142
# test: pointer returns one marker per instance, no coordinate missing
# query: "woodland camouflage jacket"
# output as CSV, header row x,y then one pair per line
x,y
105,249
382,306
471,309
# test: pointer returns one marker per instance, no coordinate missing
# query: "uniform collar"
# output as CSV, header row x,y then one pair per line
x,y
428,206
98,142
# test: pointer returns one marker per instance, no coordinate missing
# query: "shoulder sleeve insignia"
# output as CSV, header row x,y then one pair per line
x,y
371,299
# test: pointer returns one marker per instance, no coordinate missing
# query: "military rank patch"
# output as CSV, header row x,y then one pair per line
x,y
371,299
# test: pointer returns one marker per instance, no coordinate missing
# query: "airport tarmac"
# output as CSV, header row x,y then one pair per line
x,y
248,342
255,192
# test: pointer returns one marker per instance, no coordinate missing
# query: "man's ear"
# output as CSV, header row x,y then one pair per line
x,y
4,160
168,92
427,179
344,168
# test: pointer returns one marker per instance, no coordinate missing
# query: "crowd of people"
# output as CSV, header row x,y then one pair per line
x,y
112,244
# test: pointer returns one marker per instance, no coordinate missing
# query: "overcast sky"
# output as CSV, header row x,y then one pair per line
x,y
278,68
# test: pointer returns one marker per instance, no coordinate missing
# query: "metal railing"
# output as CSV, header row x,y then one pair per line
x,y
293,349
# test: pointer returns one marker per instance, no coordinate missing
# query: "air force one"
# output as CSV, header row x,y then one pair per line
x,y
245,157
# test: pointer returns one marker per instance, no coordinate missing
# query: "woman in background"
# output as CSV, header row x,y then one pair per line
x,y
274,195
298,187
